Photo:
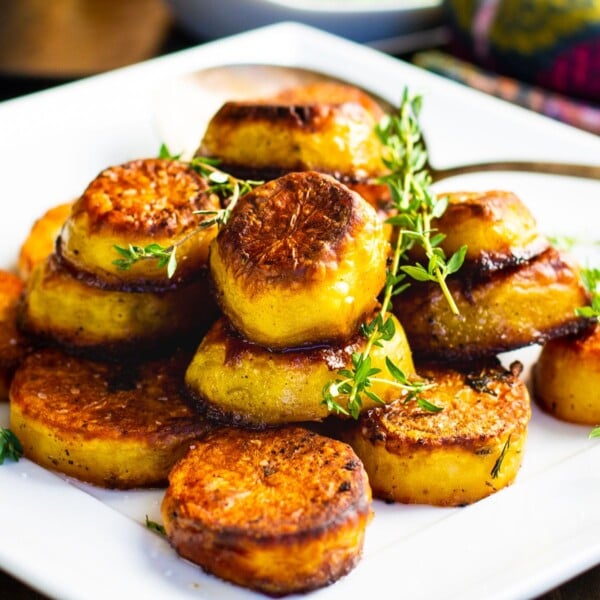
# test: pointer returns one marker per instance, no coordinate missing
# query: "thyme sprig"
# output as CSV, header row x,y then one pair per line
x,y
591,280
495,472
416,206
156,527
227,187
10,446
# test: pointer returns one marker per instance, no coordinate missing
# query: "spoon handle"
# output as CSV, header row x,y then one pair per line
x,y
554,168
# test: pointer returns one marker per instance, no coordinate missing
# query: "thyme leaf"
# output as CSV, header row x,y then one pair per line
x,y
591,280
495,472
10,446
156,527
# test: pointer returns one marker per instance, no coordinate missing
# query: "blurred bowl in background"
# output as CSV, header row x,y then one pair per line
x,y
359,20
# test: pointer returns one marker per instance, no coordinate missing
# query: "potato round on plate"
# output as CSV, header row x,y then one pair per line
x,y
235,381
567,378
41,241
141,202
13,345
515,307
58,308
270,137
116,426
300,261
466,451
496,226
279,511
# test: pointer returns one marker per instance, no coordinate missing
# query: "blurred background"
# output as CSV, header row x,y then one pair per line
x,y
544,55
541,54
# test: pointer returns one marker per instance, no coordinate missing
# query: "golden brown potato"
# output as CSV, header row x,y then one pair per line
x,y
516,307
267,138
237,382
13,345
117,426
141,202
567,378
278,511
497,228
300,261
60,309
470,449
41,240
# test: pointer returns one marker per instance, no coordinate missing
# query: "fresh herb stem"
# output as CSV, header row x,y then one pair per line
x,y
10,446
495,472
409,182
156,527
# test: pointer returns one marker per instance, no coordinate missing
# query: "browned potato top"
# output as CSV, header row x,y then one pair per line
x,y
152,197
478,406
291,228
330,92
108,401
268,483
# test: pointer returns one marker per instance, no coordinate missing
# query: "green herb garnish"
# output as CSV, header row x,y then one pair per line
x,y
495,472
409,182
595,433
10,446
156,527
591,281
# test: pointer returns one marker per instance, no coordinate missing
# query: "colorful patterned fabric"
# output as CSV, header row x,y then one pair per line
x,y
552,43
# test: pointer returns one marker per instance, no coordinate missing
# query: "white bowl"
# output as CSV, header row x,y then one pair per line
x,y
359,20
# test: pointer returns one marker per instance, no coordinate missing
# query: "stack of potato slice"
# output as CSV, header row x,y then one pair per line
x,y
122,422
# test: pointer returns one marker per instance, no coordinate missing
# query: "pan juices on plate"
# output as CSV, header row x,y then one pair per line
x,y
113,418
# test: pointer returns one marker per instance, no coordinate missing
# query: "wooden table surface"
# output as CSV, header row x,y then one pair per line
x,y
45,43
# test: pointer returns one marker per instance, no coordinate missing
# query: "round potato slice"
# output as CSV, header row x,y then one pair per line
x,y
142,202
270,137
41,241
496,226
60,309
300,261
116,426
235,381
567,378
468,450
278,511
13,345
515,307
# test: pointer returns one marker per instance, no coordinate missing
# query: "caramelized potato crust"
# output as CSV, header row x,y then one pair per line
x,y
60,309
13,345
516,307
470,449
238,382
300,261
278,511
117,426
140,203
567,378
41,240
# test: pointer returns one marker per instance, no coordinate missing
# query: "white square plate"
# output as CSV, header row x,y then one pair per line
x,y
75,541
